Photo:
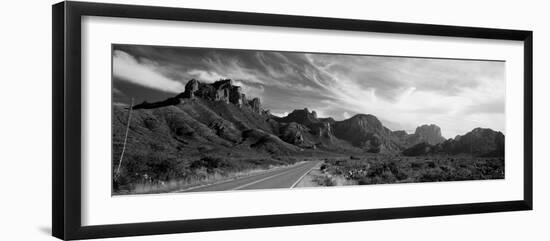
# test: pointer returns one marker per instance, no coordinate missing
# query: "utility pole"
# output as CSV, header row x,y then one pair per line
x,y
117,173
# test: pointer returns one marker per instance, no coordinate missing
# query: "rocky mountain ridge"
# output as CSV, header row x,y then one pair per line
x,y
220,118
482,142
222,91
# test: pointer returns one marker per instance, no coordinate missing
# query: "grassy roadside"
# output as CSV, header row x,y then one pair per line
x,y
139,177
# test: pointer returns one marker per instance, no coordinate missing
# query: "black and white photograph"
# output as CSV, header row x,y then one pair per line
x,y
202,119
275,120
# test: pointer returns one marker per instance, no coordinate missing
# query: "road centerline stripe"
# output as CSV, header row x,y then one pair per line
x,y
302,177
229,180
266,178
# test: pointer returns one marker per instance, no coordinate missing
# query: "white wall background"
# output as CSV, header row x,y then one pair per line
x,y
25,139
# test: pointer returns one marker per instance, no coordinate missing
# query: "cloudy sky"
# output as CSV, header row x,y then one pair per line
x,y
457,95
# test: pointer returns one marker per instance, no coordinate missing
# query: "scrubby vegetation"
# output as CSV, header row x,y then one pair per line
x,y
382,169
154,173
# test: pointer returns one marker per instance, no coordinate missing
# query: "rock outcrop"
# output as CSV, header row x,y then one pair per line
x,y
320,128
293,133
430,134
255,104
190,88
303,116
220,91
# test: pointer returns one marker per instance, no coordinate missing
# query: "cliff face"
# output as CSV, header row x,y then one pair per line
x,y
223,91
220,91
430,134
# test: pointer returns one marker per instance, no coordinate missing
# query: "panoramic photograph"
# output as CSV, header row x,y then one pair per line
x,y
188,119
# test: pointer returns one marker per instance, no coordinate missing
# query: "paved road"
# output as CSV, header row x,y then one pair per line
x,y
280,178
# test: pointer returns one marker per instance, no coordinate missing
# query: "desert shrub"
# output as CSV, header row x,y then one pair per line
x,y
376,169
382,178
227,165
324,181
157,147
287,159
209,163
463,174
490,169
146,167
416,165
401,176
445,168
383,168
150,123
433,175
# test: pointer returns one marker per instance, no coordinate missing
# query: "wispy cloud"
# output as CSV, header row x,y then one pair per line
x,y
205,75
143,72
458,95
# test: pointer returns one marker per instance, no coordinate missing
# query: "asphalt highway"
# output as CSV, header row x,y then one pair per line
x,y
286,177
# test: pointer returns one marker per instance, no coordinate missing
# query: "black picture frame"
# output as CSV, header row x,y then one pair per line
x,y
66,128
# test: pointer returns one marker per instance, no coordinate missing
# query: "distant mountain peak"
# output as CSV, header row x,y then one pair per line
x,y
365,121
431,127
482,130
367,117
363,116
